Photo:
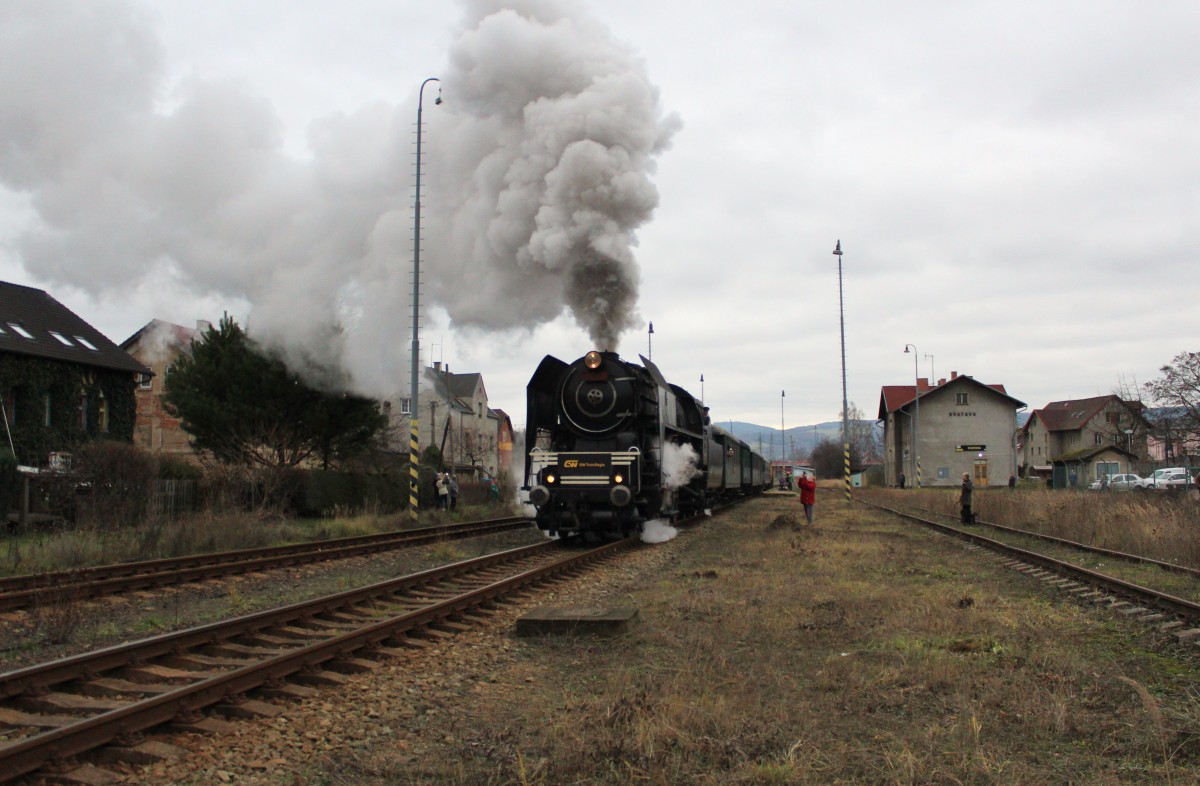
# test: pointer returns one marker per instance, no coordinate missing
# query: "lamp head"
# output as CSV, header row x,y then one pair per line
x,y
438,101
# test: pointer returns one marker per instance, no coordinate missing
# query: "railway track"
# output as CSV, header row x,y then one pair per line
x,y
1071,544
1176,615
18,592
51,714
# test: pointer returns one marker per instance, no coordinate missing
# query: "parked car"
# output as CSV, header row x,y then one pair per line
x,y
1122,482
1173,481
1151,481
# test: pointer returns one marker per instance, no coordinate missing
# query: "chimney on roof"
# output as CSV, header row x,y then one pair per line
x,y
941,382
922,383
953,375
437,365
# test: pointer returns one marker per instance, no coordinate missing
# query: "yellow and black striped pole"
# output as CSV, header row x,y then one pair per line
x,y
846,462
414,476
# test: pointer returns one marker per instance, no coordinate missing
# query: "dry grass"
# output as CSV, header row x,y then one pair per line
x,y
196,534
1152,524
860,651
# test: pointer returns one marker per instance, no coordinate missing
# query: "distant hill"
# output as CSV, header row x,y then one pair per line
x,y
800,439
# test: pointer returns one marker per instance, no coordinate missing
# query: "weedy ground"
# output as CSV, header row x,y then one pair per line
x,y
70,547
862,650
1161,525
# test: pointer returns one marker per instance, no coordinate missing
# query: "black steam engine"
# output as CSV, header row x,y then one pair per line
x,y
612,445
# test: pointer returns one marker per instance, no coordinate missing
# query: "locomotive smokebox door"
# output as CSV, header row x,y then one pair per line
x,y
597,396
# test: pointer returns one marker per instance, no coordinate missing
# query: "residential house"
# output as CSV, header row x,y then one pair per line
x,y
935,433
454,416
62,381
1061,439
158,345
505,438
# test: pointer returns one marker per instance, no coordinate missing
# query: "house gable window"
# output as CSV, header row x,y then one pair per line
x,y
960,399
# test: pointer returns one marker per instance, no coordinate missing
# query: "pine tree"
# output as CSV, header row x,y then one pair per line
x,y
246,407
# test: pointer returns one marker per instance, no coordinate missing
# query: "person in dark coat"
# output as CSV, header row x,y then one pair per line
x,y
808,494
964,499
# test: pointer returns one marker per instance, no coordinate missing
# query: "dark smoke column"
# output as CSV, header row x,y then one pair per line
x,y
545,176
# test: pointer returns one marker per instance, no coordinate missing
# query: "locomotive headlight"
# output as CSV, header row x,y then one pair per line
x,y
592,360
618,478
551,478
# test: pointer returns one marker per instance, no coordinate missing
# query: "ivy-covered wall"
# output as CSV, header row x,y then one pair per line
x,y
56,406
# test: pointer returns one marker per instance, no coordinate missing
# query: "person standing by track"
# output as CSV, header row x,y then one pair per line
x,y
443,491
964,499
808,495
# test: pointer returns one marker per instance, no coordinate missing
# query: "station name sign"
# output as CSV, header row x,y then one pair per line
x,y
970,448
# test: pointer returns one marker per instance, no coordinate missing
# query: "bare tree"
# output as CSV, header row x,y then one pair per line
x,y
863,437
1132,429
1178,391
1179,387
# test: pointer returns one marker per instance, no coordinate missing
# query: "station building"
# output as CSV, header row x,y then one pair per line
x,y
962,426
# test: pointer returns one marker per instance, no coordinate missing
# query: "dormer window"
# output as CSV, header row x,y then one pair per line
x,y
86,343
21,331
61,338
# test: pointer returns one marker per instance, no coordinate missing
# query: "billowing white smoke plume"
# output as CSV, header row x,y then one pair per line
x,y
546,175
539,176
680,465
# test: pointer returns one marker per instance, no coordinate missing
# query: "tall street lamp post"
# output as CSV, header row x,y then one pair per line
x,y
782,433
414,413
916,414
845,401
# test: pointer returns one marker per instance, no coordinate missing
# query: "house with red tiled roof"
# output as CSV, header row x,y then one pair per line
x,y
933,433
62,381
157,345
1062,439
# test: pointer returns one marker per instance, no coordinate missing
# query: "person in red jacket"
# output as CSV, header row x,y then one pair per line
x,y
808,494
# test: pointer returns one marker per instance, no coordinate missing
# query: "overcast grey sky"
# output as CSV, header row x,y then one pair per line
x,y
1016,185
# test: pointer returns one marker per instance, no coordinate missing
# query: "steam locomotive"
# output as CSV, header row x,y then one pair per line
x,y
612,445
